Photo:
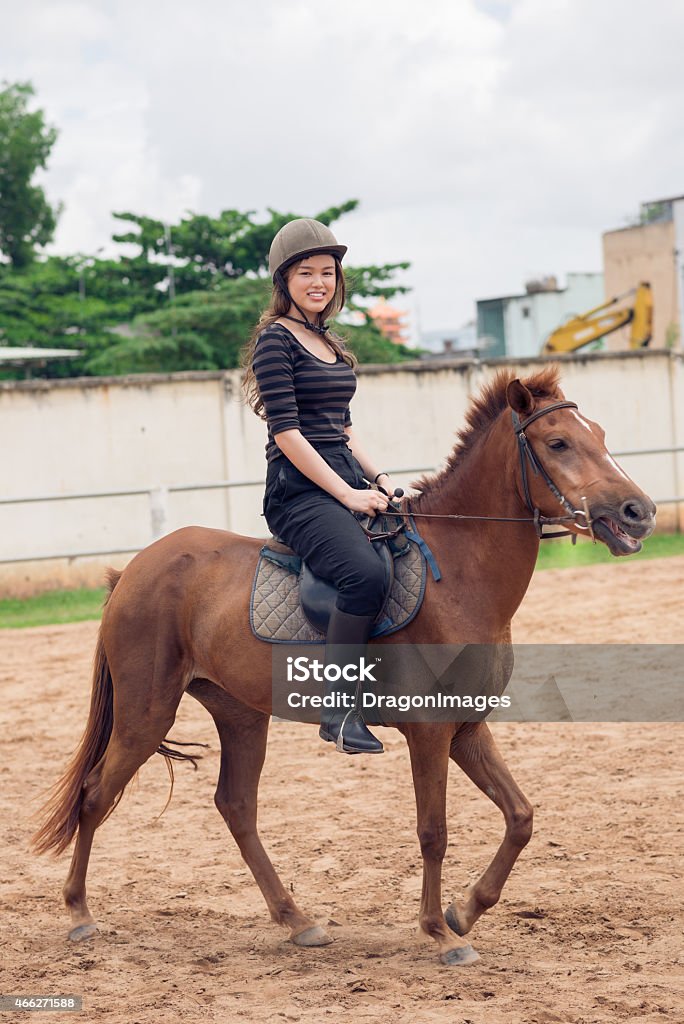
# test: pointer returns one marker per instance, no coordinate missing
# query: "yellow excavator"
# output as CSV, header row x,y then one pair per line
x,y
582,330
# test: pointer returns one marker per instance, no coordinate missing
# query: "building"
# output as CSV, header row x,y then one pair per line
x,y
651,250
389,321
455,341
517,325
32,356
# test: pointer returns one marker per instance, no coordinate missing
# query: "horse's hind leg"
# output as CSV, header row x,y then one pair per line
x,y
474,750
135,737
243,733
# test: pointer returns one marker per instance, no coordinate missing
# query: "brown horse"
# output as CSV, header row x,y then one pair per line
x,y
177,621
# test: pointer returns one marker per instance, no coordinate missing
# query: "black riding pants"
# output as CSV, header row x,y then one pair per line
x,y
323,531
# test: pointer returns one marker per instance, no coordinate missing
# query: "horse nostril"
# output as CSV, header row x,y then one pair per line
x,y
633,510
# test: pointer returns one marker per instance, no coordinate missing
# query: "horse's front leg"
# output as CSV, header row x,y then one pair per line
x,y
429,746
474,750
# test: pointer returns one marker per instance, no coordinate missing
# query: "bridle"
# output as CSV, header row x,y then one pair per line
x,y
527,454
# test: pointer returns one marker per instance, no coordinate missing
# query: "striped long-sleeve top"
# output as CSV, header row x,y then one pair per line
x,y
299,390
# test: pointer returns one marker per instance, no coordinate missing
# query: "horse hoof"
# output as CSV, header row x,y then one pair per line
x,y
84,931
460,957
453,922
315,936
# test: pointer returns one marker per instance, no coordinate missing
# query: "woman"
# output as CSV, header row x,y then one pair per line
x,y
301,379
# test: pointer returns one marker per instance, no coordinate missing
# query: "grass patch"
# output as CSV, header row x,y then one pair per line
x,y
58,606
560,554
52,607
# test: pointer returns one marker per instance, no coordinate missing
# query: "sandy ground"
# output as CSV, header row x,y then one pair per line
x,y
589,928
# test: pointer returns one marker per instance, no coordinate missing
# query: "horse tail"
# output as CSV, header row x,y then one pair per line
x,y
63,806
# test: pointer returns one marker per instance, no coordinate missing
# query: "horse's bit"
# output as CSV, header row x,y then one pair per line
x,y
526,453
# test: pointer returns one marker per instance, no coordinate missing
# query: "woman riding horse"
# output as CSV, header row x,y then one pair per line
x,y
177,622
301,379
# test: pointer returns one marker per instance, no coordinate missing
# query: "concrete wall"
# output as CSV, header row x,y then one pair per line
x,y
644,253
148,433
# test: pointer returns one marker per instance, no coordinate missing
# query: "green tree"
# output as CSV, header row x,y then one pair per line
x,y
219,270
204,251
201,330
206,330
27,219
48,305
125,317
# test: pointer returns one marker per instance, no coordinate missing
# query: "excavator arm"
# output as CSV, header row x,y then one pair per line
x,y
582,330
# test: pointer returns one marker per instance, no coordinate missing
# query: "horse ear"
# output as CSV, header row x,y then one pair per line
x,y
520,398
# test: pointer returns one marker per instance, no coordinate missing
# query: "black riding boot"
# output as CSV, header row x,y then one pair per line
x,y
346,644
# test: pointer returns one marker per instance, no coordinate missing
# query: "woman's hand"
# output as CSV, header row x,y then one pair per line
x,y
386,484
370,502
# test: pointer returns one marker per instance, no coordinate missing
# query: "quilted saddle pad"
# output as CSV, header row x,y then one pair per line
x,y
275,613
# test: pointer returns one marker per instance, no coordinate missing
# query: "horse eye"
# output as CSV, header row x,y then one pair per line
x,y
558,445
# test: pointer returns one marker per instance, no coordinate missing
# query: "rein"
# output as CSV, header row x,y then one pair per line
x,y
527,454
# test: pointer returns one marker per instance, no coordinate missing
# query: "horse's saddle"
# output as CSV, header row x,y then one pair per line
x,y
290,604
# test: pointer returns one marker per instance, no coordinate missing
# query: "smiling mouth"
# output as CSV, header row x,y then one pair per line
x,y
616,537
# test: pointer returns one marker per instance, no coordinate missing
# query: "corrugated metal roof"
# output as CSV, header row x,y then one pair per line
x,y
16,354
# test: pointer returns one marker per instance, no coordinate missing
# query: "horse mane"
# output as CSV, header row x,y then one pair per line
x,y
482,413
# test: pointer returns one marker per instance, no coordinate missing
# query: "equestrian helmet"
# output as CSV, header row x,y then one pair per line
x,y
300,238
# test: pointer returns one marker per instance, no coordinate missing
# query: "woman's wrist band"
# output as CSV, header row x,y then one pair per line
x,y
379,475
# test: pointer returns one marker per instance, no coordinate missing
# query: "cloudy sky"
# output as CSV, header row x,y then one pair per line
x,y
488,141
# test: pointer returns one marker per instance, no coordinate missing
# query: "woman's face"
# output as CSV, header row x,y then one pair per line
x,y
312,283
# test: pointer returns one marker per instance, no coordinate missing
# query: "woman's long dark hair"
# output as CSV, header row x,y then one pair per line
x,y
279,306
